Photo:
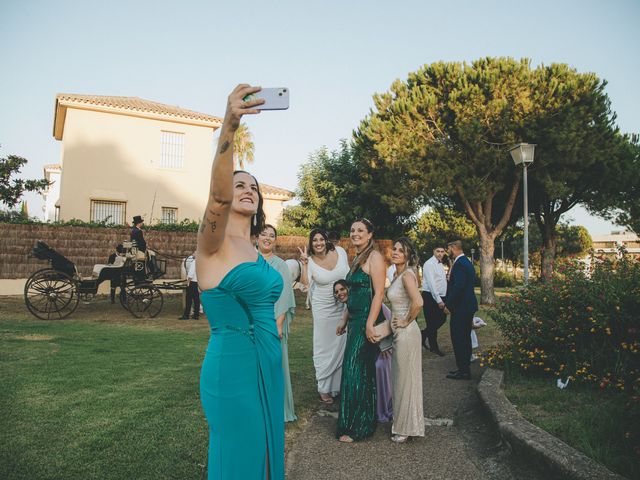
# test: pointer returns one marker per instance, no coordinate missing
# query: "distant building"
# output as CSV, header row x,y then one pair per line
x,y
51,194
609,244
126,156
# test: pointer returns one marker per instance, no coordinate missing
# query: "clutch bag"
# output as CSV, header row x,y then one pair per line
x,y
383,329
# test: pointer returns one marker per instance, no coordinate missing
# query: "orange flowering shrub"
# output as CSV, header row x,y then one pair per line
x,y
581,325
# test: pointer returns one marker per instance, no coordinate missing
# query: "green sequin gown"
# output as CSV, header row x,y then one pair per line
x,y
357,415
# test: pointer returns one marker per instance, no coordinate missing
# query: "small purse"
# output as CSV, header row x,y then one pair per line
x,y
383,326
385,343
383,329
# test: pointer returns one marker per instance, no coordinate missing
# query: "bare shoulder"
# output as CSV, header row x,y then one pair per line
x,y
212,268
375,256
409,277
410,273
375,262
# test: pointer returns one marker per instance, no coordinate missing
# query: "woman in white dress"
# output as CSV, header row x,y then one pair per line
x,y
322,265
406,363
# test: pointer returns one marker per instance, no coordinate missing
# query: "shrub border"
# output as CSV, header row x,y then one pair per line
x,y
531,442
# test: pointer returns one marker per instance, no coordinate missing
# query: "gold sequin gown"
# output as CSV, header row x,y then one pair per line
x,y
406,366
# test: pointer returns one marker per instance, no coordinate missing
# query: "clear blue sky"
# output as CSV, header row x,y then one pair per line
x,y
333,55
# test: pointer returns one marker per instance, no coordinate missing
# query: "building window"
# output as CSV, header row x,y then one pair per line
x,y
171,149
108,212
56,217
169,215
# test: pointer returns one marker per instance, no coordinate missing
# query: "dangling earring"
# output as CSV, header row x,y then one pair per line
x,y
255,220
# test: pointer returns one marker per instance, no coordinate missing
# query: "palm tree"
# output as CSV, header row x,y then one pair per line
x,y
243,146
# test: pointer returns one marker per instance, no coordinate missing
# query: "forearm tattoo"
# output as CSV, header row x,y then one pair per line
x,y
225,146
209,222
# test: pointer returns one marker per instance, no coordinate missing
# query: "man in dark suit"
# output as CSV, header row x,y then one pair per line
x,y
461,304
115,276
137,235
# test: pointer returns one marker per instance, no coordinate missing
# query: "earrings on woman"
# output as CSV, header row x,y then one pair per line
x,y
255,220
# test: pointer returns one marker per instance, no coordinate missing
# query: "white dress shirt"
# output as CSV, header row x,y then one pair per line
x,y
191,268
391,271
434,279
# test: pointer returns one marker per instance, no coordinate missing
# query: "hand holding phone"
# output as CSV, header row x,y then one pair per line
x,y
274,98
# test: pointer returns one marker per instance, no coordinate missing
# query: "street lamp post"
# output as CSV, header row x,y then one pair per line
x,y
502,251
522,154
473,251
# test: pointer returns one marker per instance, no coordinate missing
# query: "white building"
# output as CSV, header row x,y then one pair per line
x,y
126,156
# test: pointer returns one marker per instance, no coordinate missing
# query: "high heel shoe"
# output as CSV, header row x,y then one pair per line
x,y
326,399
399,438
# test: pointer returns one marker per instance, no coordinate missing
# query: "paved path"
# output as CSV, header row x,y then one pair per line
x,y
469,448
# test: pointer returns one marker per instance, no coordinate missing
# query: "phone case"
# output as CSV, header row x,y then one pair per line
x,y
275,98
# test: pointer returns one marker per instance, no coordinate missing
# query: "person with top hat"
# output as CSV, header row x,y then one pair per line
x,y
137,235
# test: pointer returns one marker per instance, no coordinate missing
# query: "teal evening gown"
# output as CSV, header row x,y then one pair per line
x,y
241,385
357,414
286,305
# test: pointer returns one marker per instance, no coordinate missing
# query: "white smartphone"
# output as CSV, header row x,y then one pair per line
x,y
274,98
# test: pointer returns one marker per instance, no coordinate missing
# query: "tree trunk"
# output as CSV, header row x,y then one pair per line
x,y
548,257
487,267
480,213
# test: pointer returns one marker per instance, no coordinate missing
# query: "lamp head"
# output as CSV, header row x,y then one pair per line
x,y
522,153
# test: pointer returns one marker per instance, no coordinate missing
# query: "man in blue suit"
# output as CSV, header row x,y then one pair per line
x,y
461,303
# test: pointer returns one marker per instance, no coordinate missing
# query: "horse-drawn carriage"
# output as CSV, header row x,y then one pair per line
x,y
55,292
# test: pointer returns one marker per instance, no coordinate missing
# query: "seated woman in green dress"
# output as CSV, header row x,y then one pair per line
x,y
357,414
285,309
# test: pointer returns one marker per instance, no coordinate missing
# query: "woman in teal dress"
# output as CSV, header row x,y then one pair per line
x,y
357,415
241,385
285,309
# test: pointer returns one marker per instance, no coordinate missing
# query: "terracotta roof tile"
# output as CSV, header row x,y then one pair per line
x,y
137,104
270,190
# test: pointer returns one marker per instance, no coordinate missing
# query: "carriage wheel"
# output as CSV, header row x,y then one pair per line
x,y
50,294
144,300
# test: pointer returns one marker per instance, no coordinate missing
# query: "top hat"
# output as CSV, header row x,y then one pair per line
x,y
137,219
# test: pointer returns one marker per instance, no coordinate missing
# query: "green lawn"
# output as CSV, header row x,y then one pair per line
x,y
102,395
591,421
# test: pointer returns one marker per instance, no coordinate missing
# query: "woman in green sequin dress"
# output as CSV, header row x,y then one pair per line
x,y
357,414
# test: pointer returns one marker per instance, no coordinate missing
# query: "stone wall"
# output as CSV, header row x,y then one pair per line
x,y
89,246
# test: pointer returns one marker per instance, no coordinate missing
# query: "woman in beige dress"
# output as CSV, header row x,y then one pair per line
x,y
406,365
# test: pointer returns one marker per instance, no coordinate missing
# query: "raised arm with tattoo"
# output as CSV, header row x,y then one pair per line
x,y
216,215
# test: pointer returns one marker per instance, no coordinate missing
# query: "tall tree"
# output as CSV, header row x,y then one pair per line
x,y
621,202
579,154
336,187
243,147
437,226
448,126
12,189
573,240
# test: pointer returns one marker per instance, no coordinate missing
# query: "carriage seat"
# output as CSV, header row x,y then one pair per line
x,y
118,263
